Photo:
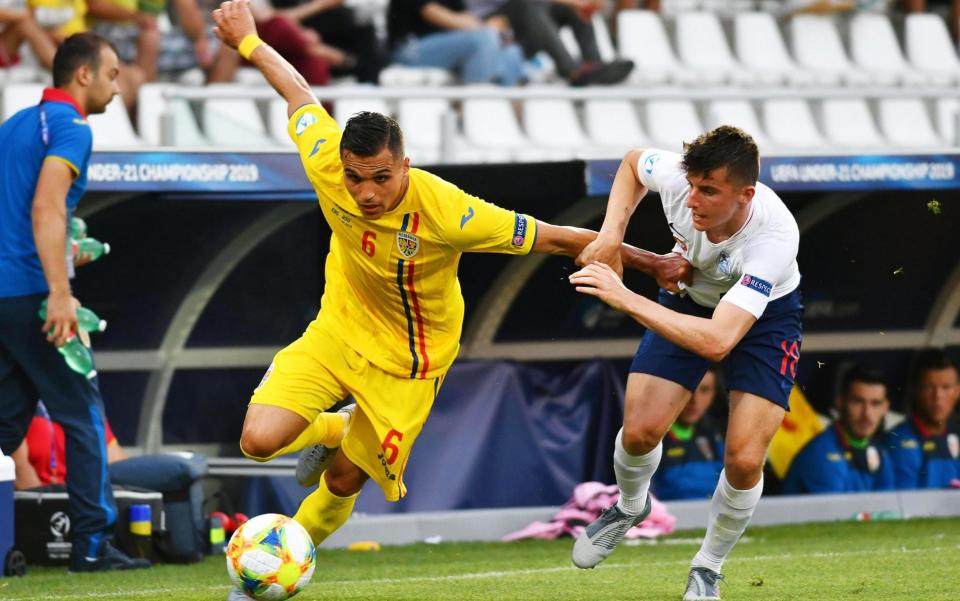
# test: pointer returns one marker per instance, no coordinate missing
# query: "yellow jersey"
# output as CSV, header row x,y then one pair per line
x,y
391,291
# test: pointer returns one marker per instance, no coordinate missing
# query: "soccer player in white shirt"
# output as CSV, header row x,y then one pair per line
x,y
742,310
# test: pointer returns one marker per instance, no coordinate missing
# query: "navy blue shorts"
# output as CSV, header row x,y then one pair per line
x,y
764,363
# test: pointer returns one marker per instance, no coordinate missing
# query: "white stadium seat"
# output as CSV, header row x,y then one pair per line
x,y
277,122
672,122
604,40
553,124
234,121
642,38
817,47
615,124
761,48
874,47
19,96
345,108
422,122
703,48
739,113
930,49
948,120
789,125
848,124
153,106
905,122
113,128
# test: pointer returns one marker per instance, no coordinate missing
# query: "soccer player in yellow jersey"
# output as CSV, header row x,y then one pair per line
x,y
391,314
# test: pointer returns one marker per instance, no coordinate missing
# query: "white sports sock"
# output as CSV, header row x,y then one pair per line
x,y
730,512
633,475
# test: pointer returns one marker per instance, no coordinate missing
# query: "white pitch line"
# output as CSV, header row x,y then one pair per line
x,y
495,574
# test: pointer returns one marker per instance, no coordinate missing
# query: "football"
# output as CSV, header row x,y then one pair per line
x,y
270,557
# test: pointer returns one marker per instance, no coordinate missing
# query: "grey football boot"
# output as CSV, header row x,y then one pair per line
x,y
237,595
601,537
703,584
315,460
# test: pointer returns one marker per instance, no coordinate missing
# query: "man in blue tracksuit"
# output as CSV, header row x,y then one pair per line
x,y
844,457
692,449
925,448
44,152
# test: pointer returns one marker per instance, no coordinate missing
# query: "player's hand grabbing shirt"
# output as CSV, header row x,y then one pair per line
x,y
391,290
756,265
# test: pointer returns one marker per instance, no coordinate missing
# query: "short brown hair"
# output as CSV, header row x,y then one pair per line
x,y
725,146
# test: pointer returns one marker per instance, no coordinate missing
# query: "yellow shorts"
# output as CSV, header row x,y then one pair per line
x,y
319,370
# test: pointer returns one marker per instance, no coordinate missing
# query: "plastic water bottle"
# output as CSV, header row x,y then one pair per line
x,y
78,228
86,319
78,357
92,247
217,535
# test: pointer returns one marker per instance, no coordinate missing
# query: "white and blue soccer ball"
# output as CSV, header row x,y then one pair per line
x,y
270,557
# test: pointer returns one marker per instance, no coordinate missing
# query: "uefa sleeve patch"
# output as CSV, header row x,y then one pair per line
x,y
761,286
519,229
305,121
650,162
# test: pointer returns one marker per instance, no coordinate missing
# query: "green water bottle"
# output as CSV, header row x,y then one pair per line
x,y
78,228
86,319
92,247
78,357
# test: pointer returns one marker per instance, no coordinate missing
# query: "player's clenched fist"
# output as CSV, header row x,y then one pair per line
x,y
234,22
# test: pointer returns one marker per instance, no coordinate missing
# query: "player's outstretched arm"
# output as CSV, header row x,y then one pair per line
x,y
625,195
667,270
711,338
235,28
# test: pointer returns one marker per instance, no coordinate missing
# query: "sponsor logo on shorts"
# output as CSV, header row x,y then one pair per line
x,y
519,230
305,121
407,244
386,468
649,162
761,286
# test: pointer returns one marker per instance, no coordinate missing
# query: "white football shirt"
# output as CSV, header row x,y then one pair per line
x,y
756,265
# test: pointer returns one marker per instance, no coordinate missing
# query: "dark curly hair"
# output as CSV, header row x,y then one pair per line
x,y
725,146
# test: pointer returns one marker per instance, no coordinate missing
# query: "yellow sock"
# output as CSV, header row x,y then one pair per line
x,y
327,429
322,512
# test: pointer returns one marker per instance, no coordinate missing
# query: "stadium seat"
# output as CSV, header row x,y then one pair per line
x,y
642,38
20,96
277,121
789,125
153,107
614,124
703,47
672,8
739,113
402,76
422,121
930,49
555,124
948,120
604,41
491,125
113,128
234,121
906,122
761,48
817,47
874,47
847,123
672,122
345,108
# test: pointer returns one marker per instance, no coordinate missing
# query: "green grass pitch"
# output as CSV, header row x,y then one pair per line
x,y
910,560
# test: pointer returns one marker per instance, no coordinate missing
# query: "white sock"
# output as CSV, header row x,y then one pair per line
x,y
633,475
730,512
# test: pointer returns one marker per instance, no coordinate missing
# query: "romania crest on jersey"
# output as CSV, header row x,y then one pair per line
x,y
407,244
